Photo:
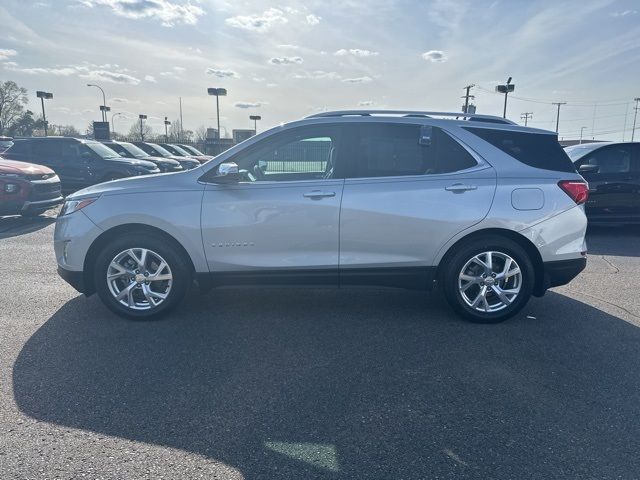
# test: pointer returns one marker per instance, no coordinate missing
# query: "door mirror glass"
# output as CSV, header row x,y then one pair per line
x,y
227,172
588,168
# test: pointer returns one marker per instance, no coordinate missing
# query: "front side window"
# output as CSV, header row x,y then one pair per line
x,y
613,159
101,150
389,150
308,154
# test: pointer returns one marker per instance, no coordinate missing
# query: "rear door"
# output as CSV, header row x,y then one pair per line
x,y
410,190
613,192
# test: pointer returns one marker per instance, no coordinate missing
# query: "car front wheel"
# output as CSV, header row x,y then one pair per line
x,y
141,277
488,279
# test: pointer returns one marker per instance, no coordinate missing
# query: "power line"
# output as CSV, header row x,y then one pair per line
x,y
575,103
526,116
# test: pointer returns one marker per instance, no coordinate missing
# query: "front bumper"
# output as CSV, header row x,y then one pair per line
x,y
30,206
75,279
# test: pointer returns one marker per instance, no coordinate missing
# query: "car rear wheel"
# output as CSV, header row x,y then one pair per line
x,y
141,277
488,280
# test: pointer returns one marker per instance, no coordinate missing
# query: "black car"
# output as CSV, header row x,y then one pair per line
x,y
155,150
78,163
126,149
613,172
193,150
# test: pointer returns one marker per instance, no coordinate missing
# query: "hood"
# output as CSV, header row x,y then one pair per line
x,y
23,168
142,162
160,182
166,160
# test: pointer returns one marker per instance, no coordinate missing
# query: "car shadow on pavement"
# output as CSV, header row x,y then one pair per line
x,y
16,225
348,384
619,241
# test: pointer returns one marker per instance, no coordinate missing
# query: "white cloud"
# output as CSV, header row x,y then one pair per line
x,y
289,47
624,13
317,74
57,71
285,60
271,85
248,104
258,79
221,73
165,11
6,53
150,78
313,19
122,100
356,52
258,23
108,76
364,79
435,56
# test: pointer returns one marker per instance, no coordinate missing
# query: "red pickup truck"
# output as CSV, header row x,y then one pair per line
x,y
27,189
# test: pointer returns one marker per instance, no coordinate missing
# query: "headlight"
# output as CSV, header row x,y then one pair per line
x,y
71,206
11,188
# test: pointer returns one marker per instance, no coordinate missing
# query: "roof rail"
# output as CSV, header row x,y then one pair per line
x,y
411,113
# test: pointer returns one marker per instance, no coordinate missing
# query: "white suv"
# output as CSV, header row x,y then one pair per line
x,y
489,211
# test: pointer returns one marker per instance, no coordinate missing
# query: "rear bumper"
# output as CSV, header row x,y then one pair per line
x,y
75,279
560,272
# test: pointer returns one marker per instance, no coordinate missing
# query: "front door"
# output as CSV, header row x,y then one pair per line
x,y
613,193
282,218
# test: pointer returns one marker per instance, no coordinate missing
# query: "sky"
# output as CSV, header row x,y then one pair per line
x,y
287,59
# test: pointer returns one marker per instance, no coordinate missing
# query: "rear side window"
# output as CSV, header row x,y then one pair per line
x,y
537,150
45,149
20,147
389,150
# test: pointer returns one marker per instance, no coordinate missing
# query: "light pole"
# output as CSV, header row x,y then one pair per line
x,y
166,124
581,130
113,127
104,109
558,115
506,89
635,115
42,95
255,119
218,92
104,100
142,117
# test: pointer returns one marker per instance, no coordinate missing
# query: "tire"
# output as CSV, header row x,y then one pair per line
x,y
142,300
464,278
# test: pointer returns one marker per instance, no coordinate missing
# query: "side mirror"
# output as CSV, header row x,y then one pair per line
x,y
588,168
227,172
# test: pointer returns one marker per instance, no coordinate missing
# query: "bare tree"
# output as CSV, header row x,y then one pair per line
x,y
201,134
12,101
134,131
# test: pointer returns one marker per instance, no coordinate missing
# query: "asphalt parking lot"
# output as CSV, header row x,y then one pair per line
x,y
304,384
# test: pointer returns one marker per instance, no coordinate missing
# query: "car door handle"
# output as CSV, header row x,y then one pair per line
x,y
460,187
318,194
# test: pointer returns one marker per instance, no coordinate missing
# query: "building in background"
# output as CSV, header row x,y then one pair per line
x,y
241,134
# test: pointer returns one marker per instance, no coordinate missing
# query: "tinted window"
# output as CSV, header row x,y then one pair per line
x,y
385,150
537,150
613,159
20,147
43,149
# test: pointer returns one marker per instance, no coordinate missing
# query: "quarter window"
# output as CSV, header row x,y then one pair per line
x,y
389,150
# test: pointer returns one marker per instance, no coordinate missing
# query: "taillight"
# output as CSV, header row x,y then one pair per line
x,y
578,191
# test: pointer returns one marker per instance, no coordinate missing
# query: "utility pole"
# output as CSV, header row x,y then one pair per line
x,y
526,116
558,115
581,130
467,96
635,115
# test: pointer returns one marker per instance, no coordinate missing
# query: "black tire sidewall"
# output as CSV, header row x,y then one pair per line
x,y
182,277
455,262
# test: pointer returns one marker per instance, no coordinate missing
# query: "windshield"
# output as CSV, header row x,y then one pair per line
x,y
162,151
193,150
576,152
131,149
102,150
181,150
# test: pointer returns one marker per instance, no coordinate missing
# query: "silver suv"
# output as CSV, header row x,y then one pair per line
x,y
488,211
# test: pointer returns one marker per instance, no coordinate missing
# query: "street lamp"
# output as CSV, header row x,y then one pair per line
x,y
142,117
166,124
104,100
218,92
42,95
506,89
255,119
581,130
113,127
